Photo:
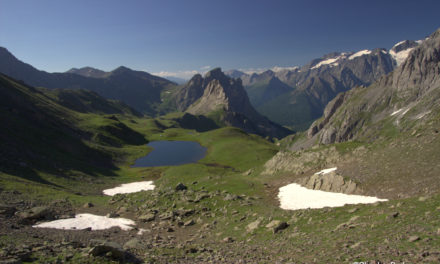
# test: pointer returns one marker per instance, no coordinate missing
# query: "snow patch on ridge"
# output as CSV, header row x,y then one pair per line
x,y
325,171
130,188
83,221
396,112
331,62
359,54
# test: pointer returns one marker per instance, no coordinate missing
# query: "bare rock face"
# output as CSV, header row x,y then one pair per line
x,y
192,91
226,98
301,161
330,182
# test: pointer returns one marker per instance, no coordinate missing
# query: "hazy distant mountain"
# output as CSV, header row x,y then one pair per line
x,y
176,79
224,99
138,89
297,96
89,72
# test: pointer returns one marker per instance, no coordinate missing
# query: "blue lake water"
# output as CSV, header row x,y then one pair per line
x,y
171,153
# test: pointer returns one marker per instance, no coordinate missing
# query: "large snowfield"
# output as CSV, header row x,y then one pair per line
x,y
294,197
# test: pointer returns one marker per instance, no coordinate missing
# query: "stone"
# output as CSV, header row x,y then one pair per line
x,y
36,213
273,223
230,197
413,238
11,261
166,216
7,210
353,210
88,205
112,215
254,225
147,217
279,227
189,223
181,187
228,240
122,210
355,245
115,250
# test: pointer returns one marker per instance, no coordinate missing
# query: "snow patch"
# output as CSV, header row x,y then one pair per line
x,y
401,56
359,54
295,197
406,111
141,231
420,116
130,188
83,221
325,171
396,112
399,43
330,62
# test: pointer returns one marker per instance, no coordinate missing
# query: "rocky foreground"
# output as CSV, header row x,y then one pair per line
x,y
191,225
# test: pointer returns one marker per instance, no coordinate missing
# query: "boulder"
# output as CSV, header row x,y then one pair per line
x,y
181,187
279,227
189,223
7,210
147,217
330,182
115,249
254,225
36,213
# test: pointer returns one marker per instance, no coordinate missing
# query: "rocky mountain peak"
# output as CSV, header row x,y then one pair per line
x,y
121,70
225,98
421,70
215,73
403,45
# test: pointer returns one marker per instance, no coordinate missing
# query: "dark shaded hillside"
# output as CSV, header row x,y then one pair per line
x,y
85,101
138,89
39,135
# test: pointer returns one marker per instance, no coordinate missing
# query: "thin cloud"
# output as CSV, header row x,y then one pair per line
x,y
205,68
178,74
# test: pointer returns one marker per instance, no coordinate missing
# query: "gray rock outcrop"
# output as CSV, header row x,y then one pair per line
x,y
330,182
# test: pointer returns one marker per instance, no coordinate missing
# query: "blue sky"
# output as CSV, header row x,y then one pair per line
x,y
186,36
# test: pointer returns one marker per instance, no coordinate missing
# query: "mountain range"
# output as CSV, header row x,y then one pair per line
x,y
296,96
138,89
